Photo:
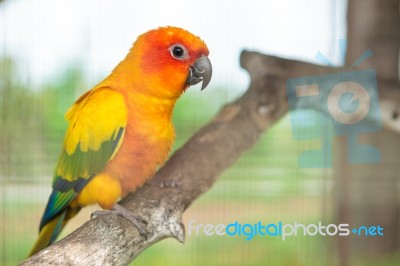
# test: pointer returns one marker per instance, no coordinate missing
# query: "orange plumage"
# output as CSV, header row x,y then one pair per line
x,y
121,131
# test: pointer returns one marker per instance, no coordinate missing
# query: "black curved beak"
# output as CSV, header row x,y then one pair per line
x,y
201,70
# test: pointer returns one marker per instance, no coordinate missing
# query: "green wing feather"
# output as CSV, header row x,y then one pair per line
x,y
96,128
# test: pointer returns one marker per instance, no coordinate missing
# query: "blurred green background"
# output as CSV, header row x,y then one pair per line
x,y
266,184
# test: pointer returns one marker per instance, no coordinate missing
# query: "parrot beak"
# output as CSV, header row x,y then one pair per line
x,y
201,70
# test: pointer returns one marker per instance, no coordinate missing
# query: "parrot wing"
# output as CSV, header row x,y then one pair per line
x,y
96,127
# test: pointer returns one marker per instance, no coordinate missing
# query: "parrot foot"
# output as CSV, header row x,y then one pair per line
x,y
164,183
136,220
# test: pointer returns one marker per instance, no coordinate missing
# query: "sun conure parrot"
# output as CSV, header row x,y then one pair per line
x,y
121,130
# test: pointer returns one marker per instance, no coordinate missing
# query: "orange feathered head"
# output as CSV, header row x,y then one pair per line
x,y
165,61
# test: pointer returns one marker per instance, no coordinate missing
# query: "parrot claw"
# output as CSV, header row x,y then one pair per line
x,y
136,220
167,183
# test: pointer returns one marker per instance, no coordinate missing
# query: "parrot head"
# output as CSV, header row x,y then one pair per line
x,y
167,60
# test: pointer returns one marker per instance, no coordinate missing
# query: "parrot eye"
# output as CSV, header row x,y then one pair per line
x,y
178,51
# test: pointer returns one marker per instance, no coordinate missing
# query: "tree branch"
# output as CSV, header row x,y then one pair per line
x,y
191,170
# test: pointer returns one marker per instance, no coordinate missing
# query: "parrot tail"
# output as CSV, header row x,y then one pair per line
x,y
49,233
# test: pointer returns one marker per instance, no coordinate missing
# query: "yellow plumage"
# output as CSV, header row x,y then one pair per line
x,y
121,131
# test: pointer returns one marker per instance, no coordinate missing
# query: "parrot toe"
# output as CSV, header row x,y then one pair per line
x,y
166,183
136,220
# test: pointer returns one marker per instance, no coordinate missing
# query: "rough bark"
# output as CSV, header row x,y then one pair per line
x,y
111,240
